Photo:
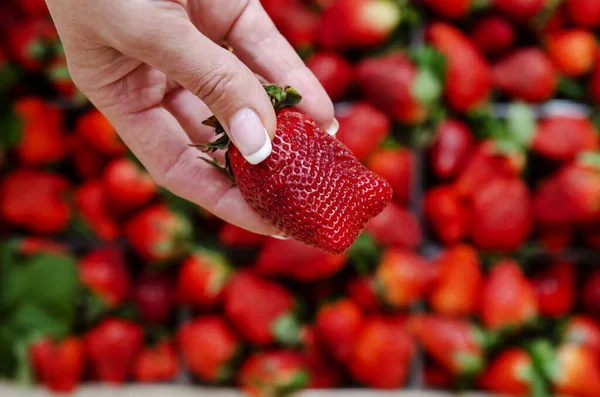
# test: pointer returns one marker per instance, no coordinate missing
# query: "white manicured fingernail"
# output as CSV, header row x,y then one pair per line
x,y
333,128
280,237
250,136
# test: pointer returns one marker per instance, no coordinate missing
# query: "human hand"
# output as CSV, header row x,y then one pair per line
x,y
156,70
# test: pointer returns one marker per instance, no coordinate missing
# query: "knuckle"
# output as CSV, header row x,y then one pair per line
x,y
216,87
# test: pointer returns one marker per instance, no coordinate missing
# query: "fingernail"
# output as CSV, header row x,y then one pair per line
x,y
280,237
250,136
333,128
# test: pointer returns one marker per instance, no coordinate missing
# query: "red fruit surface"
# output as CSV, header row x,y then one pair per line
x,y
446,213
573,51
520,10
235,236
156,364
562,138
337,326
58,366
273,373
333,72
324,373
451,148
362,291
289,190
583,330
202,279
127,185
39,245
396,226
594,82
452,9
555,289
584,13
591,294
104,272
87,162
578,372
93,209
363,128
98,132
34,8
298,24
29,42
509,373
397,166
436,377
153,294
494,35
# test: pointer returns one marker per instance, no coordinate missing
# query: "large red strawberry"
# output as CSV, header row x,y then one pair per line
x,y
527,74
459,287
260,309
111,348
158,234
494,35
98,132
273,373
92,205
573,51
337,326
468,76
289,189
234,236
333,72
453,9
156,364
35,200
202,279
127,185
362,291
590,295
58,366
388,82
382,354
520,10
447,213
508,298
582,330
563,137
153,294
404,277
324,373
104,272
585,13
397,166
348,24
555,289
363,128
31,41
396,226
454,343
208,346
297,261
512,373
451,148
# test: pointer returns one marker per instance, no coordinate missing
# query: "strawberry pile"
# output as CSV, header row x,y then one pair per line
x,y
479,271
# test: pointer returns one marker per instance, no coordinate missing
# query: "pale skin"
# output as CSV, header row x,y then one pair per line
x,y
156,70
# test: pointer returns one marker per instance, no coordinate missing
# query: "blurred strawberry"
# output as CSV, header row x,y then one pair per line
x,y
520,10
362,292
202,279
584,13
39,245
555,289
388,82
508,298
382,354
458,291
87,162
31,42
333,72
363,128
33,8
298,261
562,138
494,35
35,200
158,234
397,166
156,364
153,295
208,347
468,75
58,75
357,24
590,296
324,374
337,326
127,185
395,226
260,309
451,148
594,81
98,132
511,372
527,74
104,272
582,330
573,51
452,9
273,373
446,214
91,202
555,239
436,377
58,366
111,348
234,236
403,277
298,24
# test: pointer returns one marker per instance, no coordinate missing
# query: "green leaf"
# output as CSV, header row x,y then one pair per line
x,y
544,358
426,87
430,58
286,330
571,88
521,123
10,130
299,381
364,254
591,159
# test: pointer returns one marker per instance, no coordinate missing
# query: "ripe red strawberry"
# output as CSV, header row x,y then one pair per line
x,y
451,148
208,346
58,366
202,279
397,166
468,75
91,203
458,290
156,364
403,277
436,377
385,231
337,326
562,138
324,374
30,42
382,354
388,82
127,185
98,132
584,13
158,234
575,371
591,294
573,51
35,200
273,373
153,295
555,289
298,24
500,216
363,128
289,190
494,35
235,236
527,74
446,214
104,272
594,82
520,10
582,330
454,343
260,318
508,298
355,24
453,9
511,372
39,245
88,163
34,8
297,261
362,292
111,348
333,72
